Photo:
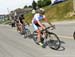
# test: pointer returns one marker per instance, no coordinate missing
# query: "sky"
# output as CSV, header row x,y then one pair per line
x,y
8,5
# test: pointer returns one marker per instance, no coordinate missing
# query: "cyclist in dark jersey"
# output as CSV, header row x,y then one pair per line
x,y
21,18
21,21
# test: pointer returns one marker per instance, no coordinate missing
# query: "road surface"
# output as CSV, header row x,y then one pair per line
x,y
12,44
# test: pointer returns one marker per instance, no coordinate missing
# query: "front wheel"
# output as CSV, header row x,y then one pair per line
x,y
27,33
74,35
53,41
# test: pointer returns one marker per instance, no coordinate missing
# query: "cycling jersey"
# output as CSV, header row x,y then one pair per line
x,y
37,17
21,18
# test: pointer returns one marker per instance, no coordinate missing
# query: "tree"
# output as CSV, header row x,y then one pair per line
x,y
42,3
25,6
30,6
34,4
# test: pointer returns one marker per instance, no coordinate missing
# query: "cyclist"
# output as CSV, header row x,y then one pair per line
x,y
21,23
18,24
36,23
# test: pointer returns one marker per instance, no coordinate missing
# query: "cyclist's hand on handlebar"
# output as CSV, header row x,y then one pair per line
x,y
43,26
53,26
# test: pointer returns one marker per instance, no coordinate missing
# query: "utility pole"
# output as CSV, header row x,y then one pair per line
x,y
8,10
9,17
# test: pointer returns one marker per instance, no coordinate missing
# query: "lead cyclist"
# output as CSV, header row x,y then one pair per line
x,y
36,22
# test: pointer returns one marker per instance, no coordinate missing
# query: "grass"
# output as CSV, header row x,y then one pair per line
x,y
57,12
28,17
5,22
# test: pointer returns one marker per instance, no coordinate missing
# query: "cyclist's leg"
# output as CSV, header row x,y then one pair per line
x,y
20,27
17,27
38,34
23,27
44,33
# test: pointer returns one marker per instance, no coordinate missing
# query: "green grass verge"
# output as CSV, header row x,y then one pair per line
x,y
5,22
58,12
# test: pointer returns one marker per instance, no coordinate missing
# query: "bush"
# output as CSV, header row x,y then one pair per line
x,y
42,3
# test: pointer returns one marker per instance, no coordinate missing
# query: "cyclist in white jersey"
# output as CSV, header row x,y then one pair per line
x,y
36,23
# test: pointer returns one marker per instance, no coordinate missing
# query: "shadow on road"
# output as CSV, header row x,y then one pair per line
x,y
29,36
62,48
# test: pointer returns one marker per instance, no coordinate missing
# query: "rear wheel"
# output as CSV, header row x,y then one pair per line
x,y
53,41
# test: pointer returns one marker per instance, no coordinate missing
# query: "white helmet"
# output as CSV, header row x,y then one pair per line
x,y
41,11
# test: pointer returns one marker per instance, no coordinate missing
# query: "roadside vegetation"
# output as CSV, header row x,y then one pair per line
x,y
58,12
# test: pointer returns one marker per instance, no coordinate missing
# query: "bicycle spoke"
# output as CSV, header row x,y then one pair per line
x,y
53,41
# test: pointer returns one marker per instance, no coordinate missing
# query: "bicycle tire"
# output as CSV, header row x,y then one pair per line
x,y
74,35
27,33
52,43
35,36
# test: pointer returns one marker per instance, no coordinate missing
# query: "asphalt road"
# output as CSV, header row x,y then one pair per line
x,y
12,44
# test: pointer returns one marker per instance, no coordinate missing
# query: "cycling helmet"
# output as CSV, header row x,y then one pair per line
x,y
41,11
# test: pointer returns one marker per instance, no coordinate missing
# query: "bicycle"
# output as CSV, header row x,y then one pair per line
x,y
26,31
50,39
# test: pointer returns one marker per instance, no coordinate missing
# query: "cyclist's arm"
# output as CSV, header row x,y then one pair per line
x,y
41,24
36,17
47,21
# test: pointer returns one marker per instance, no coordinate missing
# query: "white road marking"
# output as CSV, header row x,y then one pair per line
x,y
67,37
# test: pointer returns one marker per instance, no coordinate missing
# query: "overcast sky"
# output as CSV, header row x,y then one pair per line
x,y
12,5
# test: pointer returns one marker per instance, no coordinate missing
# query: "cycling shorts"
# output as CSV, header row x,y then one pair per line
x,y
35,26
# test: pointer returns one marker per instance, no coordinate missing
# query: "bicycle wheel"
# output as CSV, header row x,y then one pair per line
x,y
35,36
74,35
53,41
27,33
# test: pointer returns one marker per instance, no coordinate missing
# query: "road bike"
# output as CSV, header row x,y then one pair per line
x,y
26,31
51,39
